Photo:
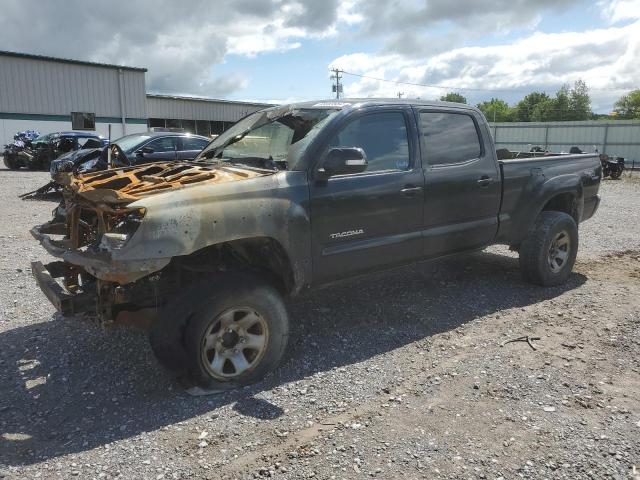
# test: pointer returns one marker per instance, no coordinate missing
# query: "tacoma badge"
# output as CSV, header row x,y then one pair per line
x,y
348,233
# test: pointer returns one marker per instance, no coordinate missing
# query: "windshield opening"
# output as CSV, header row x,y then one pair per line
x,y
265,138
129,142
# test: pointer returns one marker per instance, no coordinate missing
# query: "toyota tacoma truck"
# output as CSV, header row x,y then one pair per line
x,y
293,197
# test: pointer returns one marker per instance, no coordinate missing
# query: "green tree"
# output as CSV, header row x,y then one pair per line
x,y
524,109
544,111
579,102
496,110
568,104
561,105
453,97
628,106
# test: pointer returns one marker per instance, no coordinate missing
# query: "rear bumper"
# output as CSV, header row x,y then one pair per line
x,y
65,302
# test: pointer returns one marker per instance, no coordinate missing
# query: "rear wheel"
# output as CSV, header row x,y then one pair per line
x,y
45,161
548,254
616,174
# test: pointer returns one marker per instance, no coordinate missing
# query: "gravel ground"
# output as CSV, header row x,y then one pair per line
x,y
400,374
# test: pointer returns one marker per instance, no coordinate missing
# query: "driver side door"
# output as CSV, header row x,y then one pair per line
x,y
366,221
164,150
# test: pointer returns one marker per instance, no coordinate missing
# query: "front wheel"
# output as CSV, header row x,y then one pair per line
x,y
10,162
549,252
236,331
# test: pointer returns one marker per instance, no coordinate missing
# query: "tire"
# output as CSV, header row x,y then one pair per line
x,y
224,333
45,162
32,164
166,335
549,252
616,174
10,163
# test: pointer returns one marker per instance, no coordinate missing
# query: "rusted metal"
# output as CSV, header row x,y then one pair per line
x,y
129,184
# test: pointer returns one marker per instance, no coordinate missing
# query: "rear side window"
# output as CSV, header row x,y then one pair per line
x,y
449,137
382,136
191,143
164,144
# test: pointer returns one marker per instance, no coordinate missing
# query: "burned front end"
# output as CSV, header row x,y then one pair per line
x,y
102,267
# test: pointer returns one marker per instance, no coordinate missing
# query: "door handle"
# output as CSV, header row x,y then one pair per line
x,y
410,191
485,181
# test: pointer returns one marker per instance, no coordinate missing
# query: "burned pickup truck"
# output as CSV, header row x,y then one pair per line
x,y
291,198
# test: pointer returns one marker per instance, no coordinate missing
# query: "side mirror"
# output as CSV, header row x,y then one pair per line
x,y
144,150
343,161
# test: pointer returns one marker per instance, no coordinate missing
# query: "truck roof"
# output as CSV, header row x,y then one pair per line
x,y
362,102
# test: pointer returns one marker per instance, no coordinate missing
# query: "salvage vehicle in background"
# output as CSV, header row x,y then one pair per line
x,y
611,166
13,151
134,149
294,197
46,148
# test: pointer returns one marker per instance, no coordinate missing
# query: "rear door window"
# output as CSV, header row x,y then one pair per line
x,y
192,143
164,144
449,138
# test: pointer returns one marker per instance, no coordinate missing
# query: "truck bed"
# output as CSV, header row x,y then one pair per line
x,y
527,181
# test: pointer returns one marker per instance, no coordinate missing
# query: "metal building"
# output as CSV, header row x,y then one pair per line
x,y
614,137
51,94
196,115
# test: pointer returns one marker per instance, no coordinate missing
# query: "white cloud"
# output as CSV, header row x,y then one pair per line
x,y
184,43
620,10
605,58
180,43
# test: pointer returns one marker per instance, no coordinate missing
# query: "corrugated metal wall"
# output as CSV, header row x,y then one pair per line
x,y
37,86
160,106
619,138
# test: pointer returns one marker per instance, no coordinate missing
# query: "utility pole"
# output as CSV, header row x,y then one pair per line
x,y
400,94
337,88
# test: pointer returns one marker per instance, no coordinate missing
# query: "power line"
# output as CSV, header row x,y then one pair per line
x,y
450,87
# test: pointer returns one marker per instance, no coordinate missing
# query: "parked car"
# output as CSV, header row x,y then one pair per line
x,y
134,149
294,197
46,148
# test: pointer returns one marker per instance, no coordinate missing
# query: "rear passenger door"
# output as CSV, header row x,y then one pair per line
x,y
462,182
191,146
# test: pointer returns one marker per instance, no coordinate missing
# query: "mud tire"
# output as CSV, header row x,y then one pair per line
x,y
535,249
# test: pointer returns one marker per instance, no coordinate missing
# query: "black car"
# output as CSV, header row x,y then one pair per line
x,y
134,149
